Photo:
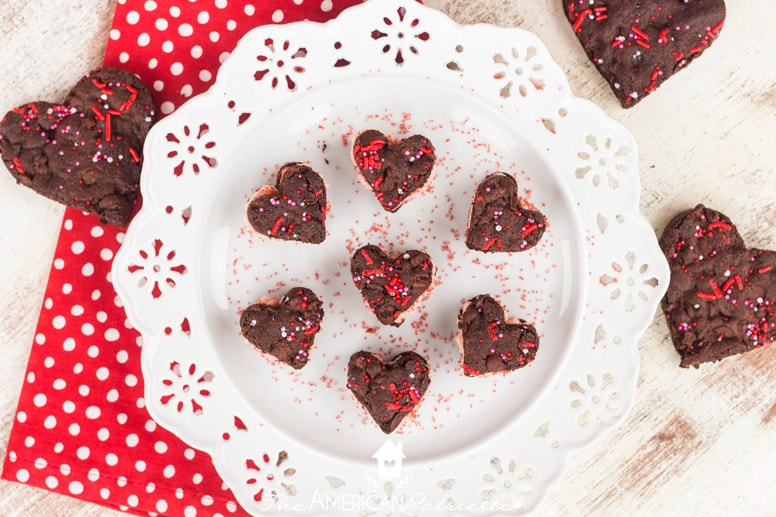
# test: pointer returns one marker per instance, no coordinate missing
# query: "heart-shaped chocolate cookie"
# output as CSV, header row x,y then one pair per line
x,y
388,390
86,152
489,343
721,299
294,209
391,286
285,328
393,169
499,221
636,46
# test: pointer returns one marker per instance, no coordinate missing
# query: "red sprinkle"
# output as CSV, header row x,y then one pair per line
x,y
366,256
720,224
639,32
98,113
275,226
18,164
642,43
764,270
135,155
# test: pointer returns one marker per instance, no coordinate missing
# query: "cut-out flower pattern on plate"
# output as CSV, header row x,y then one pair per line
x,y
186,388
191,149
400,35
280,61
629,281
521,70
156,267
603,161
595,399
269,476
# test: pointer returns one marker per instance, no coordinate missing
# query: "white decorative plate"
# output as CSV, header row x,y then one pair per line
x,y
489,99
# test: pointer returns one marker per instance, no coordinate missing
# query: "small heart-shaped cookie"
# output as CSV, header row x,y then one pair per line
x,y
388,390
721,299
393,169
391,286
285,328
294,209
489,343
636,46
86,152
499,220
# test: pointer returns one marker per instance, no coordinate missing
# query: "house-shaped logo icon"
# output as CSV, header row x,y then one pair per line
x,y
389,458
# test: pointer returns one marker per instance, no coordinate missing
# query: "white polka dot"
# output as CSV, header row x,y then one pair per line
x,y
111,459
102,373
65,469
77,310
114,34
40,339
196,52
221,4
68,225
132,500
93,474
52,482
59,384
120,237
112,335
75,488
189,453
83,390
30,377
231,505
121,418
161,506
140,466
104,493
298,2
29,441
59,263
223,57
93,412
168,46
58,322
150,5
197,478
68,345
186,90
150,426
96,295
39,400
112,395
50,422
231,25
78,368
176,68
83,452
203,17
133,17
74,429
160,447
179,493
132,440
326,6
102,316
214,36
205,76
117,302
141,402
207,500
123,57
130,380
122,481
168,107
103,434
48,303
143,40
161,24
122,356
175,11
277,16
21,417
88,269
40,463
106,254
189,511
250,10
185,30
93,351
153,63
169,471
68,406
23,475
67,288
48,362
87,329
150,487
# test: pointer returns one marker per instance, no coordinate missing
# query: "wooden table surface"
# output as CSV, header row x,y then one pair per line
x,y
697,442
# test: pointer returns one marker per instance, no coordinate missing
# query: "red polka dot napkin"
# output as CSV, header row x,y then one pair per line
x,y
81,427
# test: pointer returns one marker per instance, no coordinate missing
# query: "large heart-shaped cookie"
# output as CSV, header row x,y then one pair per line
x,y
391,286
721,299
499,220
86,152
388,390
489,343
294,209
284,328
636,46
395,170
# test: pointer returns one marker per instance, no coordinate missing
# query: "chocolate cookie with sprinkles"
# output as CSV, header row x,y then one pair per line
x,y
86,152
721,299
637,46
